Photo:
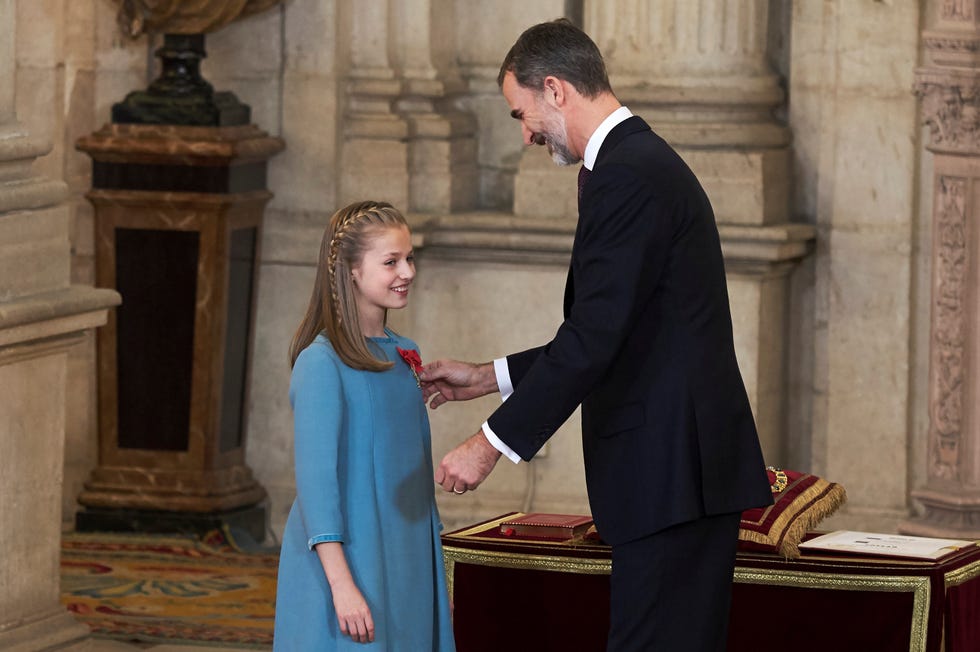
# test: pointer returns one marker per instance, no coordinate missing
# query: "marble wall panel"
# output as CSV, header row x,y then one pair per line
x,y
878,46
304,177
31,423
311,36
284,293
867,387
875,163
33,252
8,55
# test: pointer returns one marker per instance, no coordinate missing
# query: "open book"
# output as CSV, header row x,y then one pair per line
x,y
891,545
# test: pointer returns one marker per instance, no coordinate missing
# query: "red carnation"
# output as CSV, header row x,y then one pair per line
x,y
413,360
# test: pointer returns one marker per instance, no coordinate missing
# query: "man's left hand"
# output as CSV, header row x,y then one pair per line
x,y
466,466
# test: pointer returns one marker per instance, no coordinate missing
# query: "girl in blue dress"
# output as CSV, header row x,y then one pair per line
x,y
361,563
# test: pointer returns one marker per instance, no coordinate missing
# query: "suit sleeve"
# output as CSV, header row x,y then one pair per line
x,y
316,394
519,363
618,258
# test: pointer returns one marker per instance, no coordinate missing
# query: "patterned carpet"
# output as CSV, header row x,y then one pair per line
x,y
169,588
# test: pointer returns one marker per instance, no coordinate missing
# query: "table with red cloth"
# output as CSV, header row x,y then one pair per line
x,y
521,593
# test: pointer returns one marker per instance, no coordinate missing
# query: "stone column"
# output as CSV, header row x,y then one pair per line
x,y
698,73
41,317
374,157
441,139
949,87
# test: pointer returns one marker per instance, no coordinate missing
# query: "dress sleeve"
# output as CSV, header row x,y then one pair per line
x,y
316,394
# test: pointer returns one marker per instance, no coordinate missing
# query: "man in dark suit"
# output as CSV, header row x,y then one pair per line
x,y
671,451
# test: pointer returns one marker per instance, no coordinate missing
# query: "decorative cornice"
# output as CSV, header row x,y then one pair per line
x,y
950,42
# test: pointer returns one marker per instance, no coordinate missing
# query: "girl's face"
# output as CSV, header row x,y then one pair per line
x,y
382,278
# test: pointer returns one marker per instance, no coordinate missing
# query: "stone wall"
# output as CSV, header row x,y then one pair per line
x,y
799,117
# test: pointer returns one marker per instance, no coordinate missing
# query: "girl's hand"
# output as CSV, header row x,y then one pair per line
x,y
353,614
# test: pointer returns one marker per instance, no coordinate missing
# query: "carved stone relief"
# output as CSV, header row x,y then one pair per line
x,y
948,328
961,10
952,113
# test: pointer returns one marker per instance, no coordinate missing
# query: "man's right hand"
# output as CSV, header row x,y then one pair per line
x,y
452,380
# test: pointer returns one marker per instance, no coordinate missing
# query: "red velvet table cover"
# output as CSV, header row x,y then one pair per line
x,y
522,594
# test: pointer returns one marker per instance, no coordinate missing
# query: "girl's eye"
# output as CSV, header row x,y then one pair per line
x,y
410,258
389,262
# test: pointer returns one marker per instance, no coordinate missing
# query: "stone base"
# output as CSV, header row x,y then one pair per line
x,y
948,515
250,520
53,631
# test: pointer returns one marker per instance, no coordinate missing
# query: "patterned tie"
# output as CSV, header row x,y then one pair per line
x,y
583,177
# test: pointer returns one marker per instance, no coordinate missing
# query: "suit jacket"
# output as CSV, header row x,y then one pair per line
x,y
646,348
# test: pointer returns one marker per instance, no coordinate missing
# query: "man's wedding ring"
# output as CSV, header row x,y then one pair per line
x,y
458,492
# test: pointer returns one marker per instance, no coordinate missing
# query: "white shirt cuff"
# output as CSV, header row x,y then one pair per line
x,y
499,445
502,371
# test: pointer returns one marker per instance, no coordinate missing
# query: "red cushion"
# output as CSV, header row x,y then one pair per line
x,y
798,507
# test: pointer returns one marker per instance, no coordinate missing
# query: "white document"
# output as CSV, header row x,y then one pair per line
x,y
894,545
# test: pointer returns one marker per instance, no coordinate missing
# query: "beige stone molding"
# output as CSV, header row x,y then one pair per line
x,y
497,237
46,317
952,49
768,250
503,237
18,150
49,631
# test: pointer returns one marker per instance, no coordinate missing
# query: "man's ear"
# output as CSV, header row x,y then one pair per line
x,y
554,91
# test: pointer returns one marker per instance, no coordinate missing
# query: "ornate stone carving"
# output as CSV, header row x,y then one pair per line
x,y
951,110
946,41
947,368
959,10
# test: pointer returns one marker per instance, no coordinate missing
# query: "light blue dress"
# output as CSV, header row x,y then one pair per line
x,y
363,477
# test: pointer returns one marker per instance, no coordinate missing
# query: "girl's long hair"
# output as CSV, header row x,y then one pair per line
x,y
333,308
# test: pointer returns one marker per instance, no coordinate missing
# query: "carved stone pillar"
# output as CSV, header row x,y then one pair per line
x,y
949,87
42,316
441,139
374,156
698,73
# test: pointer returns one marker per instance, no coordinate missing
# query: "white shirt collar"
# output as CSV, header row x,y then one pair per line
x,y
599,135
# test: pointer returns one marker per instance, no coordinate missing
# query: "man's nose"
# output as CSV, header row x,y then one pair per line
x,y
527,134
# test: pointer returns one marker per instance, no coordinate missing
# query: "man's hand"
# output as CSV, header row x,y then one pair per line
x,y
452,380
466,466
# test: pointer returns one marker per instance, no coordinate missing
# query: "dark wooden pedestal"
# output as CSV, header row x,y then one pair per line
x,y
178,226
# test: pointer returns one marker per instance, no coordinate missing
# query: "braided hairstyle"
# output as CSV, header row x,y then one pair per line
x,y
333,306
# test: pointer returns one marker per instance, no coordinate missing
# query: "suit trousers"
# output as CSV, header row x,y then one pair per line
x,y
671,591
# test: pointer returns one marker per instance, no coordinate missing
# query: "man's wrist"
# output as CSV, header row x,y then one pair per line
x,y
487,378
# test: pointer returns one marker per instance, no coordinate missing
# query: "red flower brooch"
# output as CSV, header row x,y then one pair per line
x,y
414,362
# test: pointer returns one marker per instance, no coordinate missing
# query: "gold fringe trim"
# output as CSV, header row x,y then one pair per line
x,y
821,500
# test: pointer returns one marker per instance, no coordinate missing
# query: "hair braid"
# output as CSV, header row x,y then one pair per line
x,y
341,233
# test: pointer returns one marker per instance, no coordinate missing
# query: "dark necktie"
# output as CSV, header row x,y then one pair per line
x,y
583,177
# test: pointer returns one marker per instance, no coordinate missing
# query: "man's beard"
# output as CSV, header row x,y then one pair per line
x,y
555,136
